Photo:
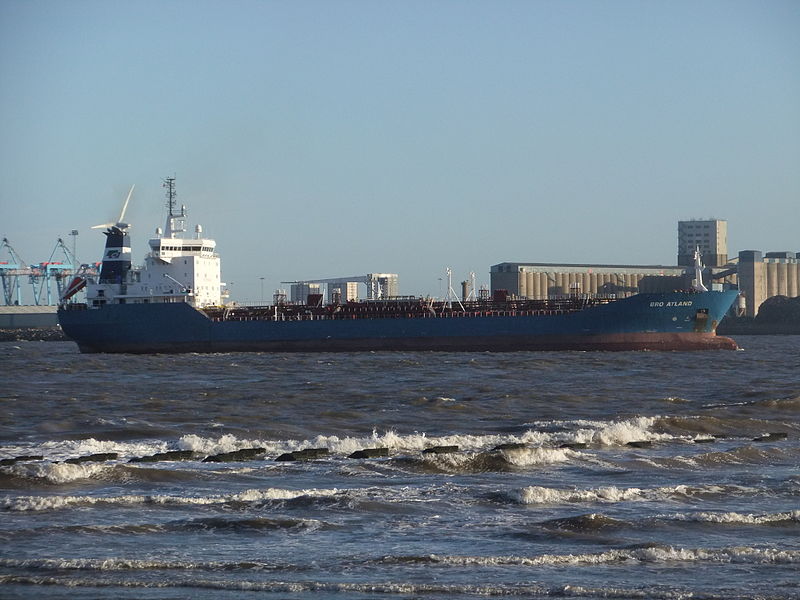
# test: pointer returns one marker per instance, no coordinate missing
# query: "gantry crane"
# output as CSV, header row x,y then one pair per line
x,y
11,269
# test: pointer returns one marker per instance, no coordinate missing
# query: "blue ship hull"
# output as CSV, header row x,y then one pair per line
x,y
673,321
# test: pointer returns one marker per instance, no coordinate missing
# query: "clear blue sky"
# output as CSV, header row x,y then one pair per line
x,y
329,138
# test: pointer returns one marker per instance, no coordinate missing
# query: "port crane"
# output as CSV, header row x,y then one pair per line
x,y
11,269
48,280
45,275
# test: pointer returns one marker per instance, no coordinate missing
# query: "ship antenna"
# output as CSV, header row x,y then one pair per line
x,y
169,183
698,272
176,221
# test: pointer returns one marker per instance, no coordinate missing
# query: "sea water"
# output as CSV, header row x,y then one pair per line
x,y
579,475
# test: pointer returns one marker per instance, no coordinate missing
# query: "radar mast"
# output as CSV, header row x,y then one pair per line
x,y
176,221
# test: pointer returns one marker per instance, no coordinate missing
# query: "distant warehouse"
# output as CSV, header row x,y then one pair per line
x,y
538,281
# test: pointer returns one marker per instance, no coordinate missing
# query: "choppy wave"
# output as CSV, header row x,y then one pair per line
x,y
748,454
789,404
576,475
601,433
256,525
735,518
101,573
656,554
590,522
364,498
125,564
610,494
34,503
620,433
57,473
299,587
476,453
59,450
472,462
716,425
593,522
438,590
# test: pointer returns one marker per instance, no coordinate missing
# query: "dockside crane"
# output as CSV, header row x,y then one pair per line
x,y
11,269
44,275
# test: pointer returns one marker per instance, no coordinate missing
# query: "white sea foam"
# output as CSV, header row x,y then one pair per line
x,y
209,446
744,555
538,456
622,432
34,503
738,518
545,495
63,449
601,433
105,564
414,442
592,432
58,473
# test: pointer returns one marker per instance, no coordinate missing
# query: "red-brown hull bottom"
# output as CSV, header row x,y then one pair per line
x,y
606,342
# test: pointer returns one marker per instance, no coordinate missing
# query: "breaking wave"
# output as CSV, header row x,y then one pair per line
x,y
34,503
57,473
600,433
735,518
123,564
659,554
611,494
121,573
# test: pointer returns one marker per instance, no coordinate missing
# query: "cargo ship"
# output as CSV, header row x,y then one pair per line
x,y
174,303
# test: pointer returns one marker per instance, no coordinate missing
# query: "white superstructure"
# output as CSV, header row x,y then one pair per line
x,y
178,268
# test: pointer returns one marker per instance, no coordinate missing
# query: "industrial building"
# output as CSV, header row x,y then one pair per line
x,y
762,276
756,275
301,290
345,289
538,281
543,280
710,236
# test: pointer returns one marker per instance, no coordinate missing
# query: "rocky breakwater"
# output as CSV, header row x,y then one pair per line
x,y
33,334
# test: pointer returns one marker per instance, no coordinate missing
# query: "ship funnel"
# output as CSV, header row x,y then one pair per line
x,y
117,256
120,222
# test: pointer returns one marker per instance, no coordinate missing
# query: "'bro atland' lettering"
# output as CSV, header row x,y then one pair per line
x,y
667,304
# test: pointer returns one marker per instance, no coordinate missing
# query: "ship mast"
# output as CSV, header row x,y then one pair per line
x,y
176,221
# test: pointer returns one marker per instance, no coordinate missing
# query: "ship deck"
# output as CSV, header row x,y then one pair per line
x,y
404,309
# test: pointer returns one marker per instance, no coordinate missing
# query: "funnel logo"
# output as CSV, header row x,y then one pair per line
x,y
111,254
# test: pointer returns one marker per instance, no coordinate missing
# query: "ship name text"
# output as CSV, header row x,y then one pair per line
x,y
670,304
